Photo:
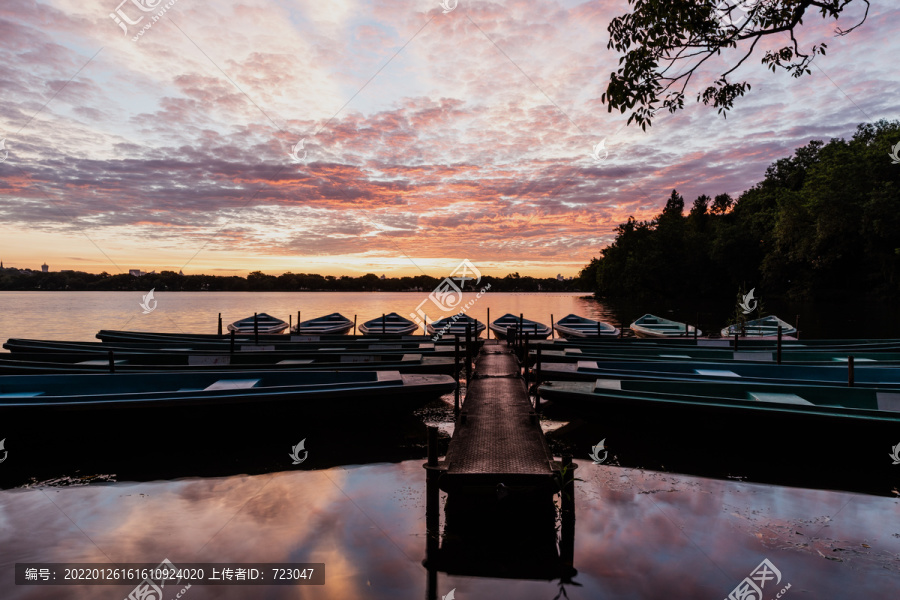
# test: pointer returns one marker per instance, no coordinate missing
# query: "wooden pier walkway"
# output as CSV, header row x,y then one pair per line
x,y
498,438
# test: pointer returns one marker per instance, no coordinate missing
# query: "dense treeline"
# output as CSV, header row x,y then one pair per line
x,y
823,224
12,279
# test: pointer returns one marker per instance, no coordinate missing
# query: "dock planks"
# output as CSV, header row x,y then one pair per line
x,y
498,438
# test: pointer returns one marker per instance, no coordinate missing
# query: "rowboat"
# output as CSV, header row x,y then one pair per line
x,y
573,326
587,370
852,403
144,363
651,326
416,344
549,353
333,324
261,323
533,329
766,433
455,326
390,324
28,393
764,327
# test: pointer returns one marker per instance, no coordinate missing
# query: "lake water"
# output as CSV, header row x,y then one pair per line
x,y
225,491
79,315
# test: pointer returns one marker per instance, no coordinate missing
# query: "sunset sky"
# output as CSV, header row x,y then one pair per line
x,y
429,137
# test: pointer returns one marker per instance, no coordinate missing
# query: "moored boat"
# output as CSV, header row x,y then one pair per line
x,y
757,328
26,393
389,324
455,326
333,324
260,323
651,326
573,326
590,370
533,329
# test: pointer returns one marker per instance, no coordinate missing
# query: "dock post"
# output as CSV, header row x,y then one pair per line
x,y
525,359
255,328
849,371
383,324
354,324
468,352
568,485
456,375
778,347
797,326
298,322
290,325
432,446
520,329
696,327
112,362
231,349
425,327
220,323
552,326
537,379
735,341
432,510
488,324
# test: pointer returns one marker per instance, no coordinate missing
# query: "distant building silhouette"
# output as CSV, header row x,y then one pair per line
x,y
45,268
136,272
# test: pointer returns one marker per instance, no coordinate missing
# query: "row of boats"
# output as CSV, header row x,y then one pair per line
x,y
570,326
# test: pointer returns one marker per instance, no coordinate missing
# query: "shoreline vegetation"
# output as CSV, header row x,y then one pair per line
x,y
823,225
170,281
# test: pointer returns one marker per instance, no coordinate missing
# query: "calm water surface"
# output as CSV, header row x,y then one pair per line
x,y
358,503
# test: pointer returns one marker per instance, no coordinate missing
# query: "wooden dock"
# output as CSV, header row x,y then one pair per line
x,y
498,446
500,479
